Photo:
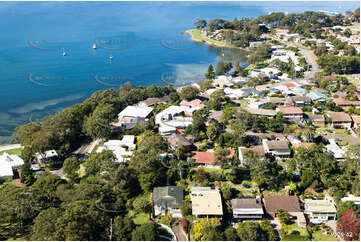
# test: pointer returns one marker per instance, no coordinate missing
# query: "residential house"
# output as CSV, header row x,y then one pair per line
x,y
206,202
258,149
298,91
207,158
153,100
47,156
277,148
276,100
291,113
317,119
132,115
253,44
340,119
247,208
290,204
8,163
345,104
262,112
241,93
317,97
168,199
322,210
258,104
301,101
320,90
223,81
196,103
122,149
335,150
305,145
176,140
173,117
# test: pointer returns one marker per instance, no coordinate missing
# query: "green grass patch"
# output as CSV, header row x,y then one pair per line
x,y
81,170
196,35
139,218
293,232
319,236
16,151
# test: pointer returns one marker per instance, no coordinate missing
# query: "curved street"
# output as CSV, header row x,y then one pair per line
x,y
311,60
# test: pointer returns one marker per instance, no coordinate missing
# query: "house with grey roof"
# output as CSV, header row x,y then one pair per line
x,y
168,199
247,208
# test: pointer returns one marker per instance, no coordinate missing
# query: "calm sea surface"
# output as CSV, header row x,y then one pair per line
x,y
143,38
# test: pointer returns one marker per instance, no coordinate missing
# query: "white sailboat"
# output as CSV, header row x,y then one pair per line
x,y
94,46
64,53
110,57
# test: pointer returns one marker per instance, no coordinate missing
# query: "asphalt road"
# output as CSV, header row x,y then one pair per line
x,y
311,60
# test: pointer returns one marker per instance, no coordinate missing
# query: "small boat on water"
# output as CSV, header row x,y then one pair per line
x,y
110,57
64,53
94,46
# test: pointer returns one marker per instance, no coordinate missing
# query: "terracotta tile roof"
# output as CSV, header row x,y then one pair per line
x,y
287,203
304,145
207,157
290,110
193,103
289,84
258,149
339,117
340,102
356,119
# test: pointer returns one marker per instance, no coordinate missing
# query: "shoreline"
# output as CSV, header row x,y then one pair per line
x,y
211,43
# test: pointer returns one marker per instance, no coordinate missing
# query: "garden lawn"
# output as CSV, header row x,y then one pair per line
x,y
319,236
196,34
294,232
138,218
16,151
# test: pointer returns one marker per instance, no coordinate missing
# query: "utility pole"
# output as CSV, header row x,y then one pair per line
x,y
111,229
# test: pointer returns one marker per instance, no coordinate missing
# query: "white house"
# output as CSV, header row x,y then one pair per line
x,y
122,149
8,162
277,148
46,156
334,149
321,210
170,119
223,81
131,115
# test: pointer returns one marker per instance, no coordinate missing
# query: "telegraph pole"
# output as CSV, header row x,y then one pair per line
x,y
111,229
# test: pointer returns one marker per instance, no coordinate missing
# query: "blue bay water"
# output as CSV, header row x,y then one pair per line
x,y
35,82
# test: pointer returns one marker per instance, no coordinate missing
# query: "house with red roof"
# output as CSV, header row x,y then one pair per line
x,y
207,158
345,104
196,103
